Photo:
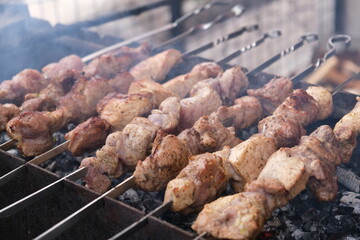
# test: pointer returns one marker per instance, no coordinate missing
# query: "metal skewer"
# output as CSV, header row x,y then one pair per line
x,y
130,182
64,146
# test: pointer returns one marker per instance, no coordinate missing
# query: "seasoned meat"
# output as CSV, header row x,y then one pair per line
x,y
71,62
285,131
168,115
272,94
131,144
182,84
95,179
156,68
119,109
201,181
27,81
168,157
346,131
299,106
160,92
88,136
229,84
7,112
324,99
249,158
245,112
108,65
203,103
121,82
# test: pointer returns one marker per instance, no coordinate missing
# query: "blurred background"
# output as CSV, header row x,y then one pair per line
x,y
34,33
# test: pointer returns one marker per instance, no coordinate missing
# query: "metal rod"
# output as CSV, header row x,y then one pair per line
x,y
8,145
235,11
142,221
164,28
345,39
40,194
272,35
200,236
343,84
80,214
307,38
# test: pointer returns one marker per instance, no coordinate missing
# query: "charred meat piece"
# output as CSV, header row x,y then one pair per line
x,y
168,157
95,177
33,130
272,94
199,182
27,81
88,136
108,65
7,112
156,68
182,84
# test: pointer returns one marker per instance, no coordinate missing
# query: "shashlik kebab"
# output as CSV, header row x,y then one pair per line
x,y
206,175
286,173
61,77
236,10
143,95
122,187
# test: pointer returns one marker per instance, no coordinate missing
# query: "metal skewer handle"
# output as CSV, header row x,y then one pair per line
x,y
164,28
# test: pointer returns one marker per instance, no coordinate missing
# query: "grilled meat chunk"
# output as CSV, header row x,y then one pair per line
x,y
33,130
323,99
272,94
199,182
119,109
346,131
108,65
95,177
182,84
245,112
229,84
7,112
121,82
71,62
27,81
156,68
88,136
167,116
168,157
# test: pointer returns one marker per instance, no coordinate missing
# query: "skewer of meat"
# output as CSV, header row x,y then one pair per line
x,y
112,65
126,184
61,76
206,175
287,172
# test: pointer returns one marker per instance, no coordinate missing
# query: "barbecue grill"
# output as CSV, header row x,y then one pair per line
x,y
303,218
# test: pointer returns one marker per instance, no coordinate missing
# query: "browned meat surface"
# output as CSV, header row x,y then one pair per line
x,y
88,136
272,94
203,103
168,157
286,132
108,65
182,84
160,92
95,177
156,68
27,81
121,82
7,112
119,109
167,116
324,100
199,182
71,62
346,131
48,98
229,84
245,112
33,130
299,106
